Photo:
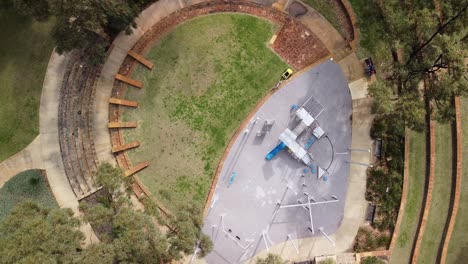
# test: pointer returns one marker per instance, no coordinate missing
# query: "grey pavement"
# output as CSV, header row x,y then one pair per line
x,y
49,143
248,206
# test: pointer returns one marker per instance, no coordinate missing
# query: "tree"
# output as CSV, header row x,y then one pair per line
x,y
130,235
103,253
32,234
89,25
38,9
431,68
205,246
271,259
136,239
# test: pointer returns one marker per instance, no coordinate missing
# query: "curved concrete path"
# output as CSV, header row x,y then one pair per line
x,y
49,142
28,158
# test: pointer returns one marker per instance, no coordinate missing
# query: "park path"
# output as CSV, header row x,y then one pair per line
x,y
44,151
49,147
28,158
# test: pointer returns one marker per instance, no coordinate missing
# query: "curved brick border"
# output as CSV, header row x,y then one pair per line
x,y
456,197
351,16
428,197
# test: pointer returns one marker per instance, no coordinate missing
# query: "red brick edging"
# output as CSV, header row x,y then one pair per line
x,y
456,198
428,198
352,19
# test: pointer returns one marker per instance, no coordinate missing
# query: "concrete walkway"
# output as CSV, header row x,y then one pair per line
x,y
49,142
28,158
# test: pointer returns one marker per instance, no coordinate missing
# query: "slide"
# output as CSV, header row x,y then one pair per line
x,y
275,151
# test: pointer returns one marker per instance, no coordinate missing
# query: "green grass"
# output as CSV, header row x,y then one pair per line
x,y
25,49
326,10
30,184
208,75
458,247
414,198
440,195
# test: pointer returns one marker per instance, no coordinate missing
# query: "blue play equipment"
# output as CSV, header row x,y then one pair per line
x,y
294,107
312,168
305,170
275,151
233,177
325,178
310,142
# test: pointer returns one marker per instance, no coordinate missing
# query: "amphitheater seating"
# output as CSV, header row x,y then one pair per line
x,y
129,81
123,102
141,59
123,147
122,125
136,169
76,126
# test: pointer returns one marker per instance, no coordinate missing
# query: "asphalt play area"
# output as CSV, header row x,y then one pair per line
x,y
258,202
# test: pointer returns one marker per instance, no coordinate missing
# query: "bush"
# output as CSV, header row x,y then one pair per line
x,y
367,241
388,203
372,260
271,259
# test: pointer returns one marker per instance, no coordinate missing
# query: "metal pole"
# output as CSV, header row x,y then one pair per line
x,y
310,203
310,215
291,189
264,239
358,149
326,236
294,245
214,201
360,163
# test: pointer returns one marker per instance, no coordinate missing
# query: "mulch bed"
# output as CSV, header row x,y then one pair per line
x,y
343,19
298,46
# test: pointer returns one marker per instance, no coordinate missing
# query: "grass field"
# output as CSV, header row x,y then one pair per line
x,y
458,247
440,195
25,49
326,10
416,181
30,184
209,73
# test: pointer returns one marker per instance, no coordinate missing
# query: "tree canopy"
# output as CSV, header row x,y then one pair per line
x,y
32,234
89,25
429,69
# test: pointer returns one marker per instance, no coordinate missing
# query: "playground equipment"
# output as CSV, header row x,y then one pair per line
x,y
232,178
275,151
305,115
266,128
